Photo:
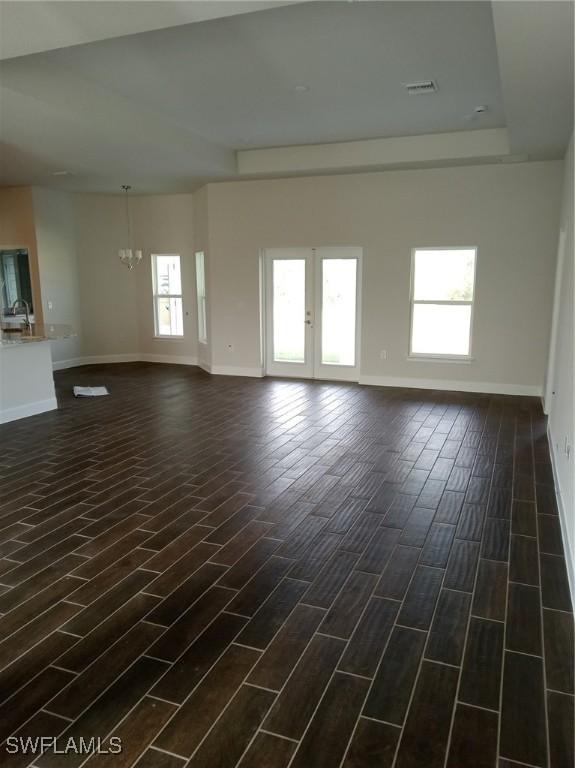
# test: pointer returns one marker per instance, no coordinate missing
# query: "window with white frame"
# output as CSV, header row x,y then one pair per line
x,y
201,296
442,295
167,282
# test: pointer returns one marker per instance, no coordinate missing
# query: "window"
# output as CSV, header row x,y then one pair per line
x,y
168,314
442,289
201,295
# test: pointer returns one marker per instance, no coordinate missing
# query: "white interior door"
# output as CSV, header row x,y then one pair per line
x,y
313,312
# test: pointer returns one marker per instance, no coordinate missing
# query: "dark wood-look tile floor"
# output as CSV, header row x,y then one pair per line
x,y
233,572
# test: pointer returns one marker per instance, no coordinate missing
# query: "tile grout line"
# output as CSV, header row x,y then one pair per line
x,y
317,633
300,433
225,708
540,593
394,625
503,651
473,593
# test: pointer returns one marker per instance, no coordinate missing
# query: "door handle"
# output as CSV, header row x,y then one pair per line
x,y
307,322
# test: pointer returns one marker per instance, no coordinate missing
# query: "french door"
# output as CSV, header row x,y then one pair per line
x,y
312,311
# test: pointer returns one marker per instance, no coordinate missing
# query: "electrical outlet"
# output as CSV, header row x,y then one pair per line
x,y
383,354
50,305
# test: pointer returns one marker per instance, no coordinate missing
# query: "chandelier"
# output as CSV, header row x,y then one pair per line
x,y
128,256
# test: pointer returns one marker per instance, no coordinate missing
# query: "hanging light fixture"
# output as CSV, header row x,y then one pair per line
x,y
128,256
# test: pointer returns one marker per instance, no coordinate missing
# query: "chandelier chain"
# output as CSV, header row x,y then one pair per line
x,y
127,188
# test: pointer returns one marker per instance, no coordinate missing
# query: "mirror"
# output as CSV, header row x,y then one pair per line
x,y
15,280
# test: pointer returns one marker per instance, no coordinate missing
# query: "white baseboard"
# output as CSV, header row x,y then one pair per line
x,y
74,362
531,390
135,357
568,545
452,386
170,359
232,370
204,366
220,370
30,409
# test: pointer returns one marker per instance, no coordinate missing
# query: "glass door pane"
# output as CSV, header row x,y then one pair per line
x,y
338,295
288,300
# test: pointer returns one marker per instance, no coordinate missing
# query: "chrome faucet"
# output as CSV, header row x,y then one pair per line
x,y
21,302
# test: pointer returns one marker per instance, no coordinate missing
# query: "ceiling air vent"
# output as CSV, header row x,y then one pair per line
x,y
425,86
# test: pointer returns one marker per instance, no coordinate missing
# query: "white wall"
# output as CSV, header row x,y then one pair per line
x,y
56,247
76,238
116,303
108,292
164,224
510,212
560,399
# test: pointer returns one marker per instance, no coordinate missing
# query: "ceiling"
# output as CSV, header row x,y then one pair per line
x,y
43,25
168,98
232,81
535,50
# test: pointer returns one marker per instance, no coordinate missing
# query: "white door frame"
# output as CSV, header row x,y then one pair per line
x,y
313,367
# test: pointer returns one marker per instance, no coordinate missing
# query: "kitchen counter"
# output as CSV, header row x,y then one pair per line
x,y
26,378
12,334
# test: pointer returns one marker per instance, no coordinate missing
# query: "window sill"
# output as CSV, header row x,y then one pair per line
x,y
439,359
169,338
